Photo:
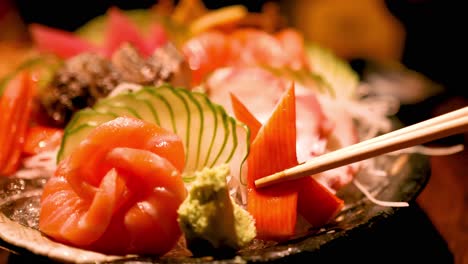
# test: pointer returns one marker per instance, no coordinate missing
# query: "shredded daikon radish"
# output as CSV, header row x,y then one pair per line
x,y
40,165
125,87
371,169
376,201
431,151
371,114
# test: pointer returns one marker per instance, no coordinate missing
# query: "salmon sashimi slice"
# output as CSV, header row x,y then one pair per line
x,y
86,166
292,43
68,218
206,52
139,166
253,47
132,196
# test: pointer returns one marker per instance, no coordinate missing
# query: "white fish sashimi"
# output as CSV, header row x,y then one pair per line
x,y
344,134
255,87
260,91
312,127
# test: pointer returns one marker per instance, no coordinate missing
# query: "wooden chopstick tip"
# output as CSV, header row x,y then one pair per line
x,y
270,179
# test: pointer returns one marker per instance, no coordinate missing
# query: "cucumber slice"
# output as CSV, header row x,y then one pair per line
x,y
207,132
116,109
126,102
86,117
210,136
164,113
91,117
304,77
214,137
78,134
189,125
334,70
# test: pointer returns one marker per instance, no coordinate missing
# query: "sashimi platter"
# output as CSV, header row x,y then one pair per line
x,y
139,137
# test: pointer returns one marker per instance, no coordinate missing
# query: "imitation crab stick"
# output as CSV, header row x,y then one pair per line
x,y
245,116
274,209
42,138
316,203
15,111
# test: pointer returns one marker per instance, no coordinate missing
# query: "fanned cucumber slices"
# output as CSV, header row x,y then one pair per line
x,y
209,134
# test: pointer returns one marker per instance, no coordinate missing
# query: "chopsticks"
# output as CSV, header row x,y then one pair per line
x,y
435,128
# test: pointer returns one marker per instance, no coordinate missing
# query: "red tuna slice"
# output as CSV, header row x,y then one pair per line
x,y
120,30
157,37
59,42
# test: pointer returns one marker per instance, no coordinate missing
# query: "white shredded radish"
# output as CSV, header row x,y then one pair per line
x,y
370,114
431,151
125,87
376,201
39,165
371,170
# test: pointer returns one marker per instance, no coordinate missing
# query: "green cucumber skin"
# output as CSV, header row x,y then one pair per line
x,y
118,110
78,134
193,125
145,111
210,136
89,116
335,72
84,118
209,111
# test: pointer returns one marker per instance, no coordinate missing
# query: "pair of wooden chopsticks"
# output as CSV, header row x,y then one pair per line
x,y
445,125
